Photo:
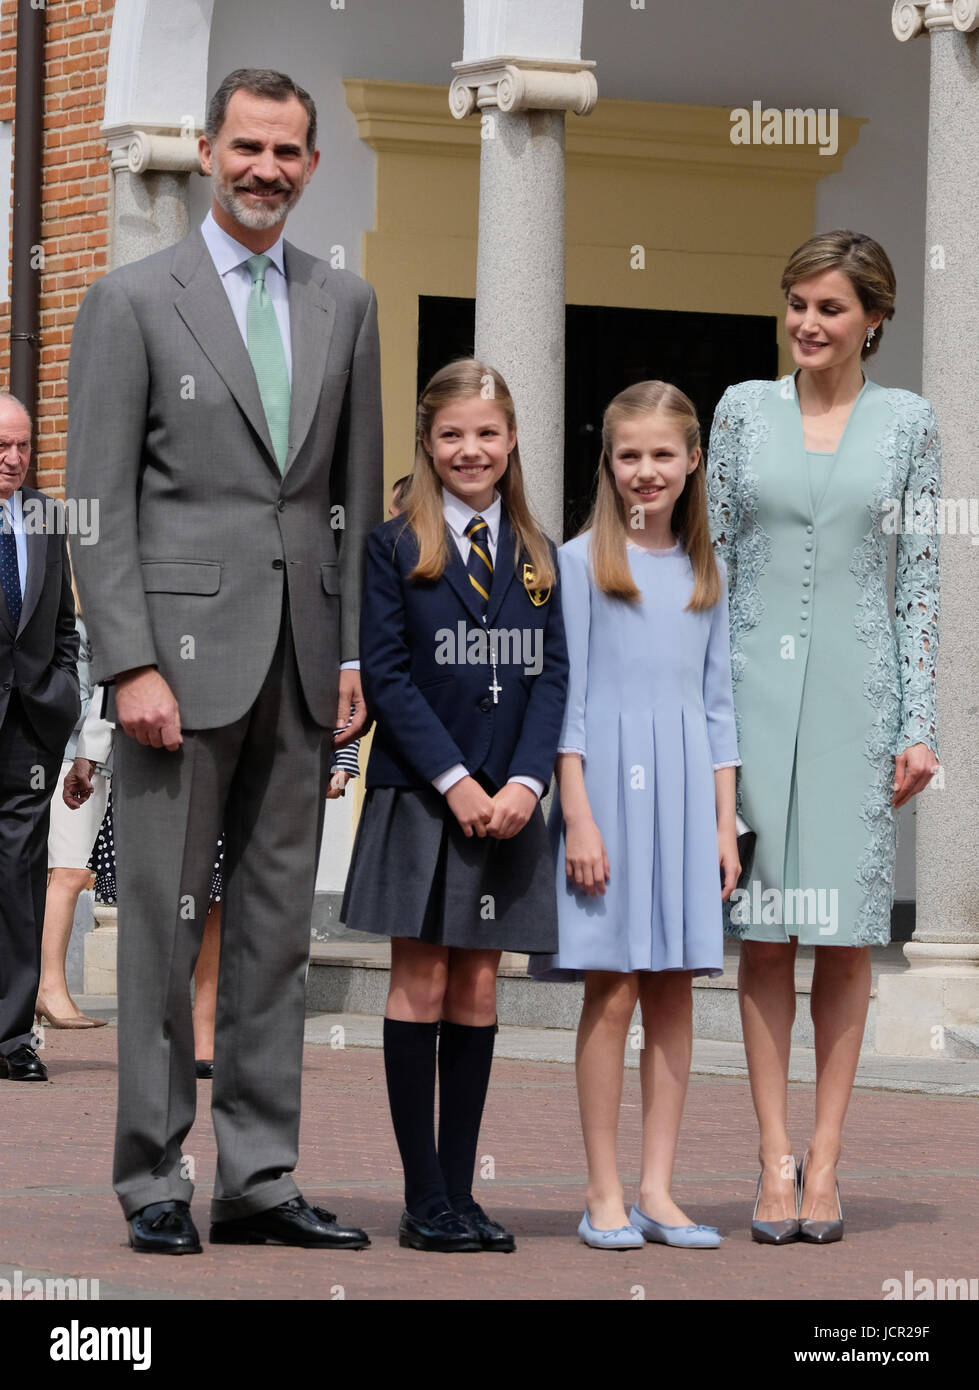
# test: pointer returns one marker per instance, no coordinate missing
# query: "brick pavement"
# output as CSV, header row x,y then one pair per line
x,y
908,1179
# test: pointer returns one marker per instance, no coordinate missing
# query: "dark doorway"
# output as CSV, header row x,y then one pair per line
x,y
609,349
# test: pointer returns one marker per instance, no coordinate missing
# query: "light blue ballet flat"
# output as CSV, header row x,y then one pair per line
x,y
688,1237
622,1238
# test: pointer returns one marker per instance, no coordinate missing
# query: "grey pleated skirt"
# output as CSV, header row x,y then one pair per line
x,y
414,873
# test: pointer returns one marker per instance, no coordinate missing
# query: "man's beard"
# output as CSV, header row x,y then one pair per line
x,y
257,219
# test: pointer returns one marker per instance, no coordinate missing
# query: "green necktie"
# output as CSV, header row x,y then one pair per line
x,y
268,358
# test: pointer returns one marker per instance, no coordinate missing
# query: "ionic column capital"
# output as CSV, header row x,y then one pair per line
x,y
909,18
141,151
523,84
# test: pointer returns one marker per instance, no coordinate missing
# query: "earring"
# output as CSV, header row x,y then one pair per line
x,y
870,335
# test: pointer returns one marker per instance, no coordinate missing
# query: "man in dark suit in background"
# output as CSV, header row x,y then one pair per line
x,y
224,407
39,704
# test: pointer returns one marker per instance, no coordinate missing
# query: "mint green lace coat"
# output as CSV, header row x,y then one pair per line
x,y
828,688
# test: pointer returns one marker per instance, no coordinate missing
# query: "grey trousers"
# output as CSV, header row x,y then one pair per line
x,y
263,780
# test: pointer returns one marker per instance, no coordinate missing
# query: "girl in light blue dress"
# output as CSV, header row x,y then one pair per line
x,y
644,835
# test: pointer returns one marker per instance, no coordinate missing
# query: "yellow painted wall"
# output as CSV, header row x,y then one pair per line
x,y
716,221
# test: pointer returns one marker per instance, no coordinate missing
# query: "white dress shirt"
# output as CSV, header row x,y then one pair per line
x,y
458,515
14,521
230,261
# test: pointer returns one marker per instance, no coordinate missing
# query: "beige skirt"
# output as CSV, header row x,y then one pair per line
x,y
72,834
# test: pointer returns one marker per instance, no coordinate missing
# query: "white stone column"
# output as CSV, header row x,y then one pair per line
x,y
155,95
932,1009
150,175
523,71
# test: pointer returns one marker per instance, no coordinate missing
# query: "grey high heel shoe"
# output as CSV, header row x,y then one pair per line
x,y
776,1232
819,1232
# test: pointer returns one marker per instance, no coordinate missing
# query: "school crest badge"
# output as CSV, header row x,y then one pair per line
x,y
538,596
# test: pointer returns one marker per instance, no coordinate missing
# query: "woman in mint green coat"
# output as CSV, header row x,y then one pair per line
x,y
808,479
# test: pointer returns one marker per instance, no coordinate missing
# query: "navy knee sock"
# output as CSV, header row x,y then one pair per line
x,y
465,1059
409,1065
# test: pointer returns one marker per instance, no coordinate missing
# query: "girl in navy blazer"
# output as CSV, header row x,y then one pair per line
x,y
464,668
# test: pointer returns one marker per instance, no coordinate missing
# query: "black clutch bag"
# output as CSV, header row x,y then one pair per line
x,y
746,849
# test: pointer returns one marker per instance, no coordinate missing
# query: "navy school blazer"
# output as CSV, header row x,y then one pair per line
x,y
426,673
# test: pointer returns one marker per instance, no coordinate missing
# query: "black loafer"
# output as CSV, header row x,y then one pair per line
x,y
23,1064
292,1223
446,1233
204,1070
490,1234
164,1228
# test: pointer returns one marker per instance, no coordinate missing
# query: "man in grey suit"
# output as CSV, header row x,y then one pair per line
x,y
224,408
39,704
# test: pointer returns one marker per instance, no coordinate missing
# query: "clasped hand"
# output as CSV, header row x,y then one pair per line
x,y
499,816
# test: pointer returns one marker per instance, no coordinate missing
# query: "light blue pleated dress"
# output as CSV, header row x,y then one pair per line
x,y
651,709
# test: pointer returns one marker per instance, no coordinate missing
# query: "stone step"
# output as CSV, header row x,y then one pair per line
x,y
929,1075
351,976
935,1075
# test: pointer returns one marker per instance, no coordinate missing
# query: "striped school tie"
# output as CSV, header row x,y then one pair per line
x,y
479,565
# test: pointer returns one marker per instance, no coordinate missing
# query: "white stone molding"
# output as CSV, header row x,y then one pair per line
x,y
155,101
157,71
929,957
544,29
142,151
965,15
929,1010
523,84
909,18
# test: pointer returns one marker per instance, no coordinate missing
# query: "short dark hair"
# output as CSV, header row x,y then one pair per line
x,y
259,82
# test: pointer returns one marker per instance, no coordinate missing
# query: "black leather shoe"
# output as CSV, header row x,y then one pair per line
x,y
204,1070
446,1232
23,1064
490,1234
292,1223
164,1228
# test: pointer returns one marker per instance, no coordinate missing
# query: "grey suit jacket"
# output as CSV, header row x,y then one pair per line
x,y
197,530
40,656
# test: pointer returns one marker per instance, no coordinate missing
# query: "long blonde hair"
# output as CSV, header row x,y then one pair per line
x,y
608,522
461,380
